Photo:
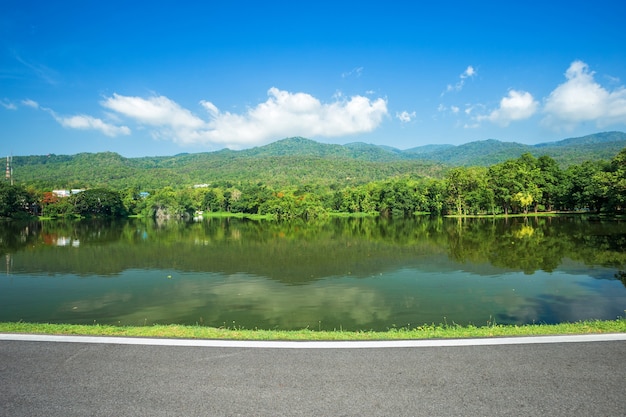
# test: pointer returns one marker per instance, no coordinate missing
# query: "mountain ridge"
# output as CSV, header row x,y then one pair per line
x,y
602,145
295,160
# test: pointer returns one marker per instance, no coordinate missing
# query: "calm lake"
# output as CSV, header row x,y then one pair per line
x,y
369,273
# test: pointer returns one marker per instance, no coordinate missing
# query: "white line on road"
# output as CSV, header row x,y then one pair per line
x,y
316,344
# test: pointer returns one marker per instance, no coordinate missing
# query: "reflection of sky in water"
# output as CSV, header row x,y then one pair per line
x,y
407,296
353,274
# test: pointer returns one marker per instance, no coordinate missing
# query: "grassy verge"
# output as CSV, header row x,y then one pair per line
x,y
583,214
225,214
428,331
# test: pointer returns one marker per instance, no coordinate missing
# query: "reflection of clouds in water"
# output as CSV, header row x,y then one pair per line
x,y
552,309
93,304
561,298
409,297
268,301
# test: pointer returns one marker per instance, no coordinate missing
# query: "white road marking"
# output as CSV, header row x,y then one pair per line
x,y
316,344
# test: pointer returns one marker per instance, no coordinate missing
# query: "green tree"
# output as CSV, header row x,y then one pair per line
x,y
550,183
131,199
213,200
466,190
619,180
514,178
504,184
98,202
15,201
523,200
168,202
434,191
584,188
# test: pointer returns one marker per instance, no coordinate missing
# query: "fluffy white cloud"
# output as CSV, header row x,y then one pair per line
x,y
581,99
405,116
155,111
283,114
518,105
92,123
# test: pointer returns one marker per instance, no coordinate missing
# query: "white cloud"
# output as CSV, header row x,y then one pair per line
x,y
468,73
46,74
81,121
283,114
92,123
581,99
30,103
210,107
518,105
612,80
8,105
155,111
354,71
453,109
405,116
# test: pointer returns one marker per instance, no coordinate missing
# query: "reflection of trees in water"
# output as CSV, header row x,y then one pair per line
x,y
9,263
539,244
15,236
621,275
298,252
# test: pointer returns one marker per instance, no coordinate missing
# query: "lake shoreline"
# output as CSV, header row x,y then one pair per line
x,y
426,331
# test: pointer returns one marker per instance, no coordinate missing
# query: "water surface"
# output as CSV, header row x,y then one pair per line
x,y
342,273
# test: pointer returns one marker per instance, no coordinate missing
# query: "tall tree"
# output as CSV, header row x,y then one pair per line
x,y
98,202
15,201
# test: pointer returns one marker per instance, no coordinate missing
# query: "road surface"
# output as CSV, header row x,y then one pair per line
x,y
43,378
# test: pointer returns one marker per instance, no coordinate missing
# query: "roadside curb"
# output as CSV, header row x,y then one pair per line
x,y
522,340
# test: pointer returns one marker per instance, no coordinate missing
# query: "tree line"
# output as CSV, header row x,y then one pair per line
x,y
517,185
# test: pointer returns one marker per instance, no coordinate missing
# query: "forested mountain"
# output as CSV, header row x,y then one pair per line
x,y
306,147
116,172
295,161
277,182
565,152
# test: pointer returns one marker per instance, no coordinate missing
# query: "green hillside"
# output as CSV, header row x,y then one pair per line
x,y
295,161
565,152
116,172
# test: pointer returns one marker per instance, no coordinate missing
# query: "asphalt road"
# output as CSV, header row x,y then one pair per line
x,y
86,379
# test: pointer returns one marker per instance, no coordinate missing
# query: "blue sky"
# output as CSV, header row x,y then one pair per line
x,y
161,77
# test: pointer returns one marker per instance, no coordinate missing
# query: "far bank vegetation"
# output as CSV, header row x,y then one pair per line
x,y
523,185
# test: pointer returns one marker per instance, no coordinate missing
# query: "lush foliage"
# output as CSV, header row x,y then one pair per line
x,y
317,182
98,202
514,186
112,171
294,161
16,201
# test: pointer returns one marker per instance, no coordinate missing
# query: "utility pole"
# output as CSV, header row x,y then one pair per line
x,y
9,172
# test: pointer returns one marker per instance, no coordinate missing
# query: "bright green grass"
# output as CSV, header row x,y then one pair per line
x,y
427,331
226,214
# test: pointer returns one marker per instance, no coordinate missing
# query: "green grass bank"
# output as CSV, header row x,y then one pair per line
x,y
427,331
